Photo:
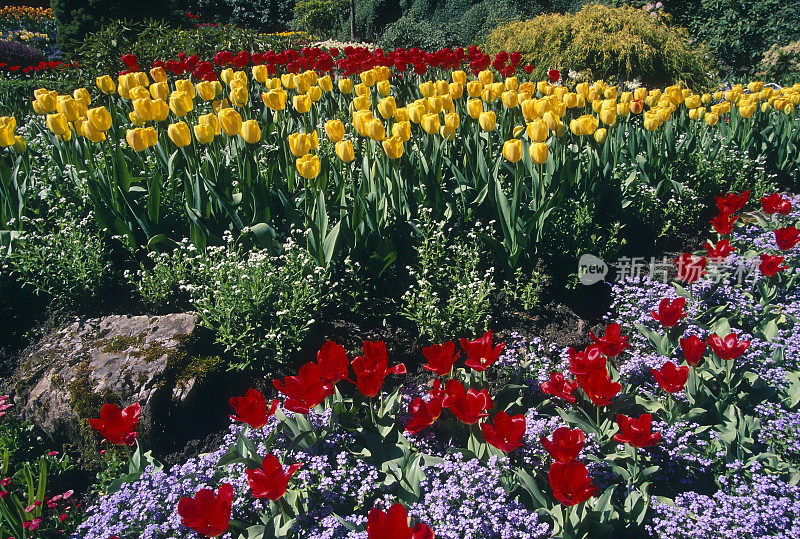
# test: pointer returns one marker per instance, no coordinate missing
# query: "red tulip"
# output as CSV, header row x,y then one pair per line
x,y
636,432
558,386
566,444
468,406
719,252
425,414
373,367
252,408
587,363
600,389
270,481
571,483
731,203
723,223
528,69
480,354
690,268
728,348
116,425
507,432
775,203
693,349
306,390
394,525
333,362
440,358
554,75
612,343
671,378
787,237
770,265
207,514
669,312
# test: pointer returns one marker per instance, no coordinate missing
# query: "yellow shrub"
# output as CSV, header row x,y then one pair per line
x,y
605,43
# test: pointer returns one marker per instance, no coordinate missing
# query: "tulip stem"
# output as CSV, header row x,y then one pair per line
x,y
371,410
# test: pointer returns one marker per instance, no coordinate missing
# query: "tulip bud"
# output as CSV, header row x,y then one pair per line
x,y
301,103
600,135
179,134
376,130
393,146
20,145
204,133
488,120
486,77
251,132
475,108
474,88
510,99
512,150
345,86
308,166
106,84
230,121
335,130
539,152
387,107
325,83
430,123
344,149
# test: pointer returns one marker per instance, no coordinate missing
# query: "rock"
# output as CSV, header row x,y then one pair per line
x,y
153,360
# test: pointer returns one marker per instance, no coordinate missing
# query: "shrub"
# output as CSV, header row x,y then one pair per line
x,y
320,18
781,64
14,53
76,18
606,42
263,15
410,32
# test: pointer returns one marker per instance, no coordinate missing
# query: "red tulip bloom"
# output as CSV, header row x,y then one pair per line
x,y
252,408
775,203
566,444
480,354
723,223
600,389
571,483
207,513
728,348
719,252
636,432
770,265
306,390
440,358
425,414
333,362
117,426
270,481
669,312
731,203
468,406
373,367
671,378
554,75
394,525
587,363
693,349
787,237
507,432
612,343
558,386
690,268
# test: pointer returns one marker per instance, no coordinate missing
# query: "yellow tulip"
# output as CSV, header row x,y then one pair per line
x,y
308,166
137,139
623,108
180,104
430,123
600,135
401,114
711,118
442,87
239,96
6,137
543,87
488,120
345,86
452,120
528,107
288,81
105,84
651,121
459,77
486,77
510,99
260,73
335,130
135,119
582,88
87,130
415,112
138,92
427,89
205,90
160,110
361,102
230,121
125,83
299,144
144,109
274,99
375,129
434,105
204,133
455,90
696,114
57,123
539,152
610,92
368,77
387,107
158,74
21,145
67,106
100,118
402,130
82,94
185,86
301,103
251,132
474,88
537,131
475,108
393,146
315,93
325,83
512,150
179,134
361,89
608,116
344,149
159,90
693,101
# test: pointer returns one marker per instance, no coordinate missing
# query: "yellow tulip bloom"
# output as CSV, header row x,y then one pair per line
x,y
251,132
308,166
512,150
344,149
